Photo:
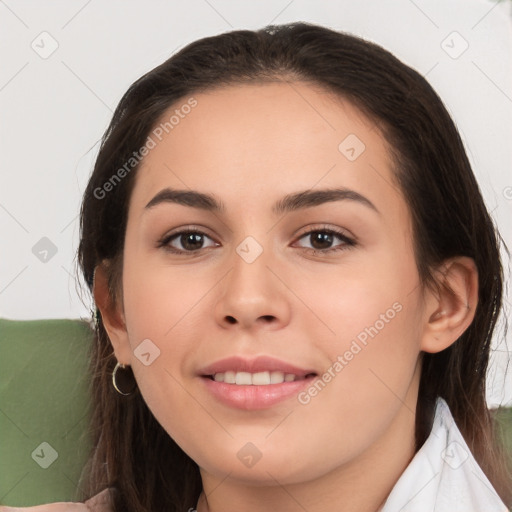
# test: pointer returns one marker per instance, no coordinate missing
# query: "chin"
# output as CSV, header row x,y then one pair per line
x,y
269,470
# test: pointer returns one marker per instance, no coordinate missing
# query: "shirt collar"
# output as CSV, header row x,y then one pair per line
x,y
443,476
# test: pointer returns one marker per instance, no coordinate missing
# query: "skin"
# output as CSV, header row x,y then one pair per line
x,y
250,145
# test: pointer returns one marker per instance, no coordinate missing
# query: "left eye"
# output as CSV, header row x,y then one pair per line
x,y
192,241
319,238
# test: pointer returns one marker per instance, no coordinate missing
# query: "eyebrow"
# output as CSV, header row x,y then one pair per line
x,y
290,202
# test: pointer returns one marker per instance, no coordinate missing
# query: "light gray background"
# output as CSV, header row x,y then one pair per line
x,y
54,109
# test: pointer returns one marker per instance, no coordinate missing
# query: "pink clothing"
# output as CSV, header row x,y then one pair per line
x,y
99,503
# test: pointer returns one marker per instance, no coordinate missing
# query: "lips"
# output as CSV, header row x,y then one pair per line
x,y
253,384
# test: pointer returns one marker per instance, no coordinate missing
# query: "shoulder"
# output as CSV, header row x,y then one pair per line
x,y
101,502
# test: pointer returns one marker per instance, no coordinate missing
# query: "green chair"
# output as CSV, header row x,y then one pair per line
x,y
45,410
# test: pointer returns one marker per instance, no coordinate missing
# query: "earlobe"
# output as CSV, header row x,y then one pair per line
x,y
111,315
450,311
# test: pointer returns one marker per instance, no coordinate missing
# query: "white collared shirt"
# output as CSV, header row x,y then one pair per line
x,y
443,476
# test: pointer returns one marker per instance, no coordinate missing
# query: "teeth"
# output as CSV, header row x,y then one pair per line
x,y
254,379
243,378
276,377
260,379
230,377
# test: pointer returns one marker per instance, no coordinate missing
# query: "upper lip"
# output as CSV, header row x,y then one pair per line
x,y
255,365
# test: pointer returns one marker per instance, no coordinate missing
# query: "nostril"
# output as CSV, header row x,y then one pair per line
x,y
231,320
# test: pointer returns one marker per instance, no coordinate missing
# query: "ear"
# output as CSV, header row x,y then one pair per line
x,y
450,310
112,315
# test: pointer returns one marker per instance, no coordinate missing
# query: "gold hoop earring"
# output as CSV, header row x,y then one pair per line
x,y
127,388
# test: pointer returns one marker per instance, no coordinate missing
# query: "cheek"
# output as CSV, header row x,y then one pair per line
x,y
372,368
159,306
375,296
161,301
375,320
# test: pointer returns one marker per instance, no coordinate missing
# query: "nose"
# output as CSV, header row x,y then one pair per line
x,y
253,296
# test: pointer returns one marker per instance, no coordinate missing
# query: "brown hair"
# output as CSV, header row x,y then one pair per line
x,y
132,452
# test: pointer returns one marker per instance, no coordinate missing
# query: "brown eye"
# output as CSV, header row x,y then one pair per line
x,y
322,240
186,241
191,241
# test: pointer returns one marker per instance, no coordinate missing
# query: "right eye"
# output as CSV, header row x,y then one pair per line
x,y
190,240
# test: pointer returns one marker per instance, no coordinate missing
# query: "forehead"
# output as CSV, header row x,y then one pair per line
x,y
253,143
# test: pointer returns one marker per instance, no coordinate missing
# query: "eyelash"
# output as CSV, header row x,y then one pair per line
x,y
348,242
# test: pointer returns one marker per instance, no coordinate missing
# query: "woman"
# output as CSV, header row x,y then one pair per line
x,y
297,282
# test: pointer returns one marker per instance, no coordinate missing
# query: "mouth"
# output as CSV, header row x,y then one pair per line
x,y
264,378
253,384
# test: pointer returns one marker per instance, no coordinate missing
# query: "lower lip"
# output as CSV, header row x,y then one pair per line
x,y
252,397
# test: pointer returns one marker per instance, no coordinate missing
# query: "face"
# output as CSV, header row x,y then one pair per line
x,y
322,287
